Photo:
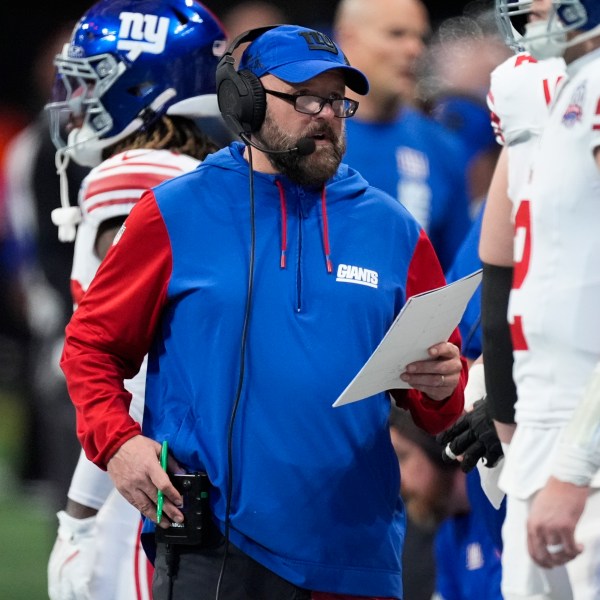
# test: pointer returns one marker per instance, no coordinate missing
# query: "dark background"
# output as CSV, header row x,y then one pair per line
x,y
25,26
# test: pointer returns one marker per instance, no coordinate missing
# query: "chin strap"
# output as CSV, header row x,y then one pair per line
x,y
67,217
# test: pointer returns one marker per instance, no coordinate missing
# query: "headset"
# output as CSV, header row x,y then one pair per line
x,y
243,104
240,94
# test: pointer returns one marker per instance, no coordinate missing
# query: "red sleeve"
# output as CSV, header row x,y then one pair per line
x,y
424,274
112,329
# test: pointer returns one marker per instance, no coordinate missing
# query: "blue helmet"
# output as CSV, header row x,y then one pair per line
x,y
583,15
129,62
547,37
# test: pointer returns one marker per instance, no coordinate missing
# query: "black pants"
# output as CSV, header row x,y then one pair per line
x,y
197,574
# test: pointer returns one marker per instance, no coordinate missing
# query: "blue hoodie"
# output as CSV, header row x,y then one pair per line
x,y
315,488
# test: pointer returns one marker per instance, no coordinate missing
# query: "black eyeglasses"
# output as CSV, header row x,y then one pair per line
x,y
313,105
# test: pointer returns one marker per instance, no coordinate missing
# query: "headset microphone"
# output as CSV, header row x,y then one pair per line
x,y
304,147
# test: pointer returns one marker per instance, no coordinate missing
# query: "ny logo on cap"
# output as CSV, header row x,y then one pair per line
x,y
319,41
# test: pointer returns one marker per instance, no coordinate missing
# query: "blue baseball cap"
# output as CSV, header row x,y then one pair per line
x,y
297,54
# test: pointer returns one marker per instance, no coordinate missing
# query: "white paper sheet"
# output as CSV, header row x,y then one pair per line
x,y
425,320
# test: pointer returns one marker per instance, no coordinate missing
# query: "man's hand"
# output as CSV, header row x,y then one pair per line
x,y
437,376
136,472
554,514
473,436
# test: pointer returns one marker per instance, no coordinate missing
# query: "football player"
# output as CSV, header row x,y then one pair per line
x,y
130,85
553,315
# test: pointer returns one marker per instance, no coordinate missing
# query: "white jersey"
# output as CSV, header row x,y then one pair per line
x,y
521,92
559,274
121,570
556,295
551,172
111,190
521,95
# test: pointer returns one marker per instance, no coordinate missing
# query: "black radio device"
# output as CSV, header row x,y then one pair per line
x,y
194,489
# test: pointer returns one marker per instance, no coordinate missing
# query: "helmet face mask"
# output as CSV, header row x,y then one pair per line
x,y
521,33
129,62
77,95
511,17
545,38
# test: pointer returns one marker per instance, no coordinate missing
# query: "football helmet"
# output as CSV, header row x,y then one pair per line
x,y
546,38
127,63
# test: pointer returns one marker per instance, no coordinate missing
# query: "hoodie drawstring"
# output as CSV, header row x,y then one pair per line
x,y
324,233
282,205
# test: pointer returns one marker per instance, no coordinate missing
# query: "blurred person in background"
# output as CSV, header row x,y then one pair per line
x,y
449,503
466,262
391,142
15,339
410,155
454,79
14,331
521,91
454,86
251,14
43,264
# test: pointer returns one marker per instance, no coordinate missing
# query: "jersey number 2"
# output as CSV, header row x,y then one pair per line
x,y
521,266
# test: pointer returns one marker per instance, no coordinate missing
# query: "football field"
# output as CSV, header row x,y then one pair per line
x,y
25,541
27,527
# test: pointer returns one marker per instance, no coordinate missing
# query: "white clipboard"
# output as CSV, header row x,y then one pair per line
x,y
426,319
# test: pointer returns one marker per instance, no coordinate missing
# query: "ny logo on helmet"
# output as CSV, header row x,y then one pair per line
x,y
142,33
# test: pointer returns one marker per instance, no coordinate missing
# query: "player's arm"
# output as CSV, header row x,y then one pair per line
x,y
496,253
497,232
107,230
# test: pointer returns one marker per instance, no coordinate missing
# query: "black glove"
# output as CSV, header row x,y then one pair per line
x,y
474,436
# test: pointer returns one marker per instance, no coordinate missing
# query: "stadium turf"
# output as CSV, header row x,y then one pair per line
x,y
27,527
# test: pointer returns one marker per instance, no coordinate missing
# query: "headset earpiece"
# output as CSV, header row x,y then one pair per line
x,y
241,96
254,109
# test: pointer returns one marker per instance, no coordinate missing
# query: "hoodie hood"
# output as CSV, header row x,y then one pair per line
x,y
346,185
